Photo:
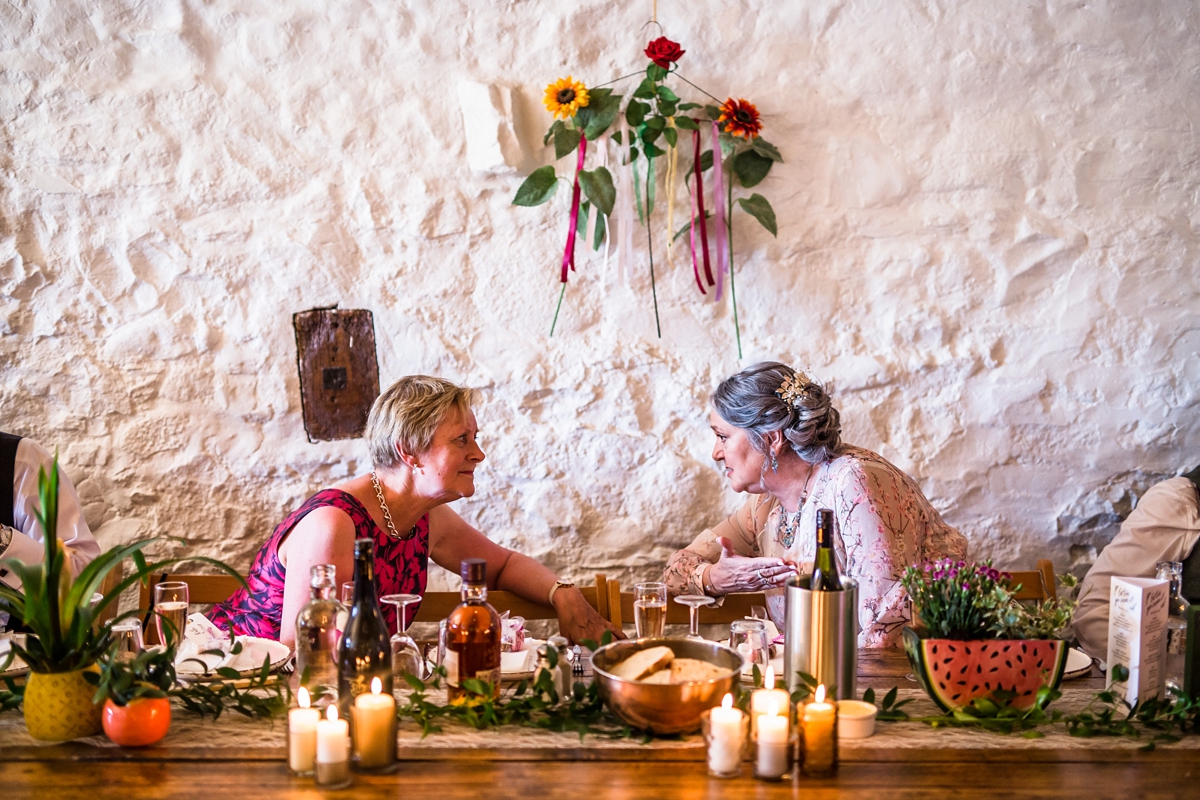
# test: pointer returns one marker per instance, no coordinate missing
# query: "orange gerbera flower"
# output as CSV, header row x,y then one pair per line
x,y
565,96
740,118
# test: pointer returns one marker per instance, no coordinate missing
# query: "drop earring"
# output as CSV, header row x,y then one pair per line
x,y
774,463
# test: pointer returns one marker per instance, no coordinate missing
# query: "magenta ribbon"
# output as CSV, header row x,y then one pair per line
x,y
699,187
692,240
569,253
721,231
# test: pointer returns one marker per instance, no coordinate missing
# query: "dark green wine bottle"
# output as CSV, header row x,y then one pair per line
x,y
825,572
366,649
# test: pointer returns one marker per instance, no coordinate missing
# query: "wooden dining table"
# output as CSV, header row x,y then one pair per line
x,y
235,759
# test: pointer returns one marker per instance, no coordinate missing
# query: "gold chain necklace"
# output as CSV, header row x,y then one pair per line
x,y
788,530
387,515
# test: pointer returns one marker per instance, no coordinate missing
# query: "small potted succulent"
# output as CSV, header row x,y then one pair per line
x,y
134,691
972,641
66,635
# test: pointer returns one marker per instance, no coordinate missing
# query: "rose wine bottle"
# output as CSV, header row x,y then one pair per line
x,y
317,635
825,572
366,650
472,635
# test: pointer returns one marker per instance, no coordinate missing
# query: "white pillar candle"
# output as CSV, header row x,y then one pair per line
x,y
302,735
375,728
772,756
761,700
726,725
333,749
820,742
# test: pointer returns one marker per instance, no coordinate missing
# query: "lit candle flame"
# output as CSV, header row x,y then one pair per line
x,y
769,681
376,686
728,701
821,693
773,709
331,713
302,698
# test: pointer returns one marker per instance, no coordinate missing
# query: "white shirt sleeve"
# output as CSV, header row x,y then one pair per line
x,y
28,543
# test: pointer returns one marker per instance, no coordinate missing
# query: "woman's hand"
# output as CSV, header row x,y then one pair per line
x,y
734,573
578,620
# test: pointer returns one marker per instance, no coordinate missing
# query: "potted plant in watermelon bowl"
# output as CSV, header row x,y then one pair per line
x,y
972,642
64,619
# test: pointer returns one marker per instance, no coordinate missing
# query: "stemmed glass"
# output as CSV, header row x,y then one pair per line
x,y
693,602
170,610
406,656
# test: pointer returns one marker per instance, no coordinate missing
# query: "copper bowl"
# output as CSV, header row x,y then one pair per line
x,y
665,708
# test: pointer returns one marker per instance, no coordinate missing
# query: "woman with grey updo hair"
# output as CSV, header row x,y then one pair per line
x,y
779,439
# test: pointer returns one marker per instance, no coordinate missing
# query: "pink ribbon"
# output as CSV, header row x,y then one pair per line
x,y
692,239
569,253
699,193
722,231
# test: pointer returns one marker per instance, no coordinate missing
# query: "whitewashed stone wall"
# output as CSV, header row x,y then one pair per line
x,y
988,242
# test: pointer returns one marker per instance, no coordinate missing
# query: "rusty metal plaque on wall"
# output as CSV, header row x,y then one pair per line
x,y
339,376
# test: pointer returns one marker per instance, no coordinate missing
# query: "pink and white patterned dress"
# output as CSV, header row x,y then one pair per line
x,y
883,524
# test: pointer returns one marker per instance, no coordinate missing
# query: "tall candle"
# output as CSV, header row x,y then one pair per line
x,y
726,733
302,735
375,728
761,700
772,757
820,735
333,749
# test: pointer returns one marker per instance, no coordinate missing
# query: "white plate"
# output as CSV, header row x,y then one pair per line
x,y
249,661
1079,665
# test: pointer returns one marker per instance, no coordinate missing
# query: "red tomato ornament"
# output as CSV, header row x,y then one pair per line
x,y
143,722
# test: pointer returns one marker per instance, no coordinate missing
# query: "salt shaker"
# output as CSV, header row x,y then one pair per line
x,y
563,683
543,665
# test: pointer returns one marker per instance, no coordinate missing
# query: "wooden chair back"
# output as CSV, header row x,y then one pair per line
x,y
436,606
202,589
1036,584
735,607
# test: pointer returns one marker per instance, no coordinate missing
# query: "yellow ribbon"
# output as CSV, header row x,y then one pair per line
x,y
672,162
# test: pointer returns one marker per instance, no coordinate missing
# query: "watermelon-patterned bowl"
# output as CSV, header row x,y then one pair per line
x,y
955,673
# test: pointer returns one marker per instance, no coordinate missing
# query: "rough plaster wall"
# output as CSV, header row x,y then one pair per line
x,y
988,234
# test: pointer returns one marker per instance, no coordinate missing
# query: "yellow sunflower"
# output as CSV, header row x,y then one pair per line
x,y
565,96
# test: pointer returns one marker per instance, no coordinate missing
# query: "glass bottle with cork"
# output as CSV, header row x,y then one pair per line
x,y
1177,611
472,635
317,637
825,576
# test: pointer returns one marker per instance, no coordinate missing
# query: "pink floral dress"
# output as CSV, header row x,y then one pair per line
x,y
401,567
883,524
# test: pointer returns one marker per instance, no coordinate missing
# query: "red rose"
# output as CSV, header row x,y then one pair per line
x,y
664,52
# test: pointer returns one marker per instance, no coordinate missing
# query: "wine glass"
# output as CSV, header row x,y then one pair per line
x,y
127,640
693,602
649,609
406,656
170,610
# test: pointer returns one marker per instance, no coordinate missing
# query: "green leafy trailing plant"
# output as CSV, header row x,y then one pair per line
x,y
64,634
1165,719
149,674
263,696
889,709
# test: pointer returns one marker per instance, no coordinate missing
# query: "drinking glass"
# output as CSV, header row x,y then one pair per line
x,y
693,602
170,610
406,656
649,609
749,637
127,640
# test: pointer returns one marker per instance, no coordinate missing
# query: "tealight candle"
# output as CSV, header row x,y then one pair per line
x,y
762,699
333,750
725,733
375,728
772,758
819,726
302,735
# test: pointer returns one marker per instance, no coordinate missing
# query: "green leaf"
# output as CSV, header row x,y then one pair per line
x,y
648,135
765,149
670,135
890,697
598,237
758,207
686,123
598,185
566,141
582,220
635,114
751,168
713,112
557,126
706,160
616,137
666,109
689,106
688,227
667,95
655,73
604,109
645,89
539,187
869,696
654,152
656,123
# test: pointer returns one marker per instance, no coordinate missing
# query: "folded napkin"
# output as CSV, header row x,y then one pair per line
x,y
201,635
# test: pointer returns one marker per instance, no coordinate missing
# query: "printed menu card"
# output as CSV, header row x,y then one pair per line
x,y
1137,626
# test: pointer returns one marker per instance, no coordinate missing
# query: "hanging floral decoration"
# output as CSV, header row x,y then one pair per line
x,y
726,144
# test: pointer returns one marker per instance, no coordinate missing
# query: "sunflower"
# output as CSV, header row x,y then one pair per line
x,y
740,118
565,96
